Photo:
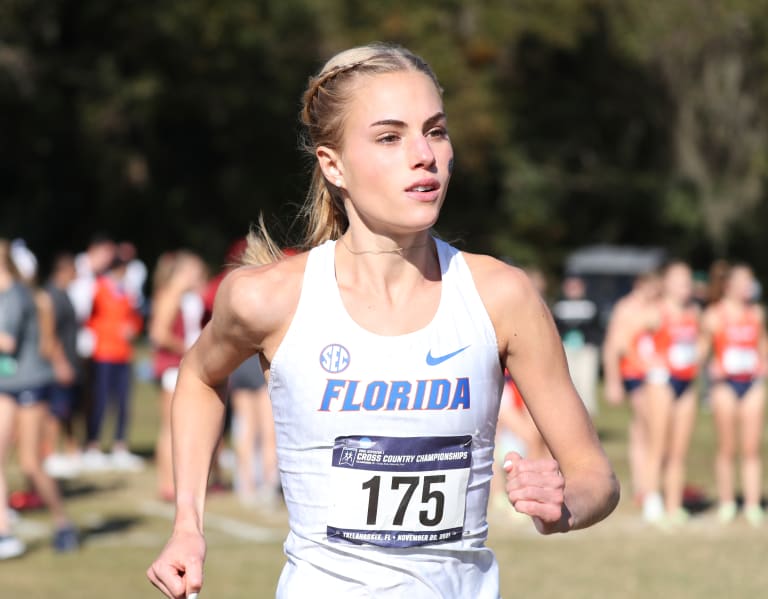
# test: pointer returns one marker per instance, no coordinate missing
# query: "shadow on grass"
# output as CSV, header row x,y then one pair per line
x,y
112,525
147,452
79,488
695,500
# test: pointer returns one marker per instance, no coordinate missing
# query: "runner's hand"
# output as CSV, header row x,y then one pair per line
x,y
178,571
537,488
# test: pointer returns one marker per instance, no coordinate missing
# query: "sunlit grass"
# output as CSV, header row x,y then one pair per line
x,y
125,527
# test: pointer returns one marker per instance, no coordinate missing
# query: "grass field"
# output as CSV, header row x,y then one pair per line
x,y
124,527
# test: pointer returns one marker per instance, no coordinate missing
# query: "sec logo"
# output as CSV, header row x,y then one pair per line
x,y
334,358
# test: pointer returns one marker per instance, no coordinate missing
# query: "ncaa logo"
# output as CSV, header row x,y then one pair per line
x,y
334,358
347,457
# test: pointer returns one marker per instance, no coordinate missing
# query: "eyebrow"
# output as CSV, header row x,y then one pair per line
x,y
402,124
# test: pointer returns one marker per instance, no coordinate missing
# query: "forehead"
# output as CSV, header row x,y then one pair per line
x,y
677,270
741,273
408,96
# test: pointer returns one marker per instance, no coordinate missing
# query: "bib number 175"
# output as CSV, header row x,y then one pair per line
x,y
399,491
410,484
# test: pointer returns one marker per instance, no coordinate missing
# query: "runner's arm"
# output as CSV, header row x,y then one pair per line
x,y
532,351
235,332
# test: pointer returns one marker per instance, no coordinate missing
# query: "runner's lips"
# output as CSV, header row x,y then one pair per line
x,y
425,185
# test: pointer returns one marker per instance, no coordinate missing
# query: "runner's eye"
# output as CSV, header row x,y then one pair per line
x,y
388,138
438,132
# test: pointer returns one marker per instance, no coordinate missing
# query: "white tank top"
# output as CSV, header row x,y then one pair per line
x,y
385,444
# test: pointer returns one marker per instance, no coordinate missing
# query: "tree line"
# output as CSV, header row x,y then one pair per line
x,y
574,121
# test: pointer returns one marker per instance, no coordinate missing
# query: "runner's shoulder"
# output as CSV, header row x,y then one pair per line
x,y
266,293
501,285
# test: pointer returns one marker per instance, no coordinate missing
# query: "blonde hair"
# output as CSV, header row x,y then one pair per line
x,y
166,263
322,115
170,263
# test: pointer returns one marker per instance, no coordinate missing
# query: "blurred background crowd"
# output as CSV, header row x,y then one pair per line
x,y
67,363
635,324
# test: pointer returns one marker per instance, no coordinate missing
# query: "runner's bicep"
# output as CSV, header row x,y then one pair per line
x,y
537,363
217,352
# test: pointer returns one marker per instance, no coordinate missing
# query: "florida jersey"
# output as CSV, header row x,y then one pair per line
x,y
385,444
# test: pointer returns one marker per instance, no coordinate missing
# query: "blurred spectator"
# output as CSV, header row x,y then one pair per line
x,y
577,320
26,336
175,323
671,395
89,265
67,369
718,272
628,352
135,274
114,324
735,332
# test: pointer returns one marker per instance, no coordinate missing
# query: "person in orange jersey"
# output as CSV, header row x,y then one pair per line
x,y
735,333
114,323
628,351
671,393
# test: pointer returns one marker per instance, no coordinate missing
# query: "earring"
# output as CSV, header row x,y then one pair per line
x,y
338,182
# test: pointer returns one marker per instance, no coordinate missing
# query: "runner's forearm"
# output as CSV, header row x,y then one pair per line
x,y
590,496
197,417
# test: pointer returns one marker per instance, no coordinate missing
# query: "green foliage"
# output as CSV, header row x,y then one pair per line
x,y
573,121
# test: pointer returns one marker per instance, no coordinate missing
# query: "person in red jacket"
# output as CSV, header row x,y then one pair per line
x,y
115,323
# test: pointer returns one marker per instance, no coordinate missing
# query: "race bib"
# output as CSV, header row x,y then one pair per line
x,y
399,491
682,355
657,376
740,361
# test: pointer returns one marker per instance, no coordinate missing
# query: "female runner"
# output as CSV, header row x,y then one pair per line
x,y
385,348
734,328
671,391
628,351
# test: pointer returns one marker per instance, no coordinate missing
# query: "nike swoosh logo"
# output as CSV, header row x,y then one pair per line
x,y
435,360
